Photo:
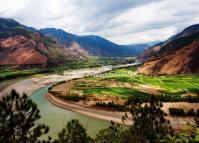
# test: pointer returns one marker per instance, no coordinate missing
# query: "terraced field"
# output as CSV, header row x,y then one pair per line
x,y
126,82
171,85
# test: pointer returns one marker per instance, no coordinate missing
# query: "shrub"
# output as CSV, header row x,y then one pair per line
x,y
191,112
112,105
176,112
74,97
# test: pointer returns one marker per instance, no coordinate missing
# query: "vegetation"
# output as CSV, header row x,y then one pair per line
x,y
125,83
20,73
94,61
166,98
12,72
149,121
113,106
188,134
17,120
181,113
18,115
74,97
166,85
176,112
74,132
113,134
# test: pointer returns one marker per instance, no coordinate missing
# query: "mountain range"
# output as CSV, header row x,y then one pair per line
x,y
94,45
177,55
23,45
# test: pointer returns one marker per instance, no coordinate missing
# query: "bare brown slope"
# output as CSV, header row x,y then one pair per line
x,y
35,49
183,60
20,50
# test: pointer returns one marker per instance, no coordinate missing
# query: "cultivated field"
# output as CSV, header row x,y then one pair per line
x,y
126,82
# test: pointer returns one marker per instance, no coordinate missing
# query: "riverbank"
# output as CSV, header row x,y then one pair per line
x,y
90,112
29,86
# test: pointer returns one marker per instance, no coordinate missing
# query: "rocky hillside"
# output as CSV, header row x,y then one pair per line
x,y
20,46
177,55
94,45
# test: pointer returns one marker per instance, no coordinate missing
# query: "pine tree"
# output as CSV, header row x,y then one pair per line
x,y
74,132
149,121
17,120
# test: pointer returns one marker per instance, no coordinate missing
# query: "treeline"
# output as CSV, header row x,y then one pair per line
x,y
73,97
113,106
179,112
69,97
165,98
17,74
18,115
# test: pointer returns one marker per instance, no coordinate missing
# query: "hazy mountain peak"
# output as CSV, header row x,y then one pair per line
x,y
93,44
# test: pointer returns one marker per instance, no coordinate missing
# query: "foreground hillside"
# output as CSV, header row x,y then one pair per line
x,y
20,46
177,55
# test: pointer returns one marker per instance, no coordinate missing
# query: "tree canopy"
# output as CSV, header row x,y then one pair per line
x,y
17,120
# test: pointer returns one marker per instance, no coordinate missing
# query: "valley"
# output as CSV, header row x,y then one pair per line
x,y
113,86
119,85
50,76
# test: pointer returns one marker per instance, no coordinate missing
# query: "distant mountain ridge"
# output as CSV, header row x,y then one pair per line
x,y
177,55
94,45
23,45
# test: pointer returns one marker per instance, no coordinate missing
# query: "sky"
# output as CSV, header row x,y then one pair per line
x,y
121,21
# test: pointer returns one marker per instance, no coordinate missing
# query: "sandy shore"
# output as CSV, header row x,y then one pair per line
x,y
91,112
30,85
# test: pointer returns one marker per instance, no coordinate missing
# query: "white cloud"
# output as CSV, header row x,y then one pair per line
x,y
122,21
147,35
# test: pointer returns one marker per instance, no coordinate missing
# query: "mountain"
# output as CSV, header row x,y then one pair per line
x,y
153,51
177,55
19,45
7,24
191,30
153,43
94,45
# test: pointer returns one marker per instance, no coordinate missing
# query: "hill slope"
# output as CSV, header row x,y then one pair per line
x,y
177,55
94,45
153,51
20,46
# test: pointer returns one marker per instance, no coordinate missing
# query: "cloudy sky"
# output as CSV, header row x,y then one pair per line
x,y
121,21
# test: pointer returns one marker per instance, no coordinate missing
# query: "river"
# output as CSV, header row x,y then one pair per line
x,y
56,118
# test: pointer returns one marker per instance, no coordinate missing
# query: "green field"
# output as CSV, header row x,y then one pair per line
x,y
16,74
167,85
114,91
170,84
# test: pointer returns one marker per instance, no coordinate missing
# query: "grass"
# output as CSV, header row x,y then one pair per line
x,y
114,91
178,84
8,75
167,85
11,73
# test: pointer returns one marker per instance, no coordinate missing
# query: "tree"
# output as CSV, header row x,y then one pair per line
x,y
113,134
149,121
188,134
17,120
74,132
